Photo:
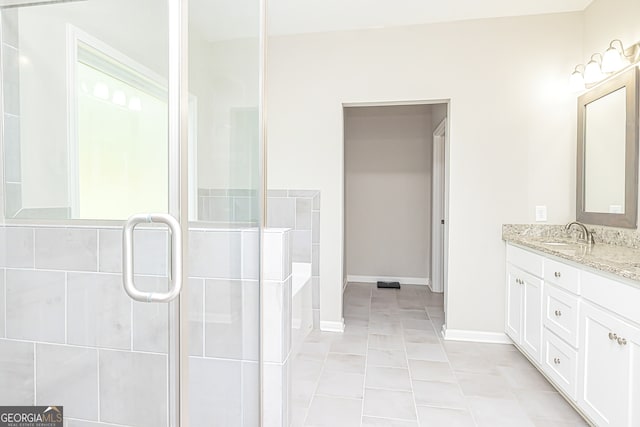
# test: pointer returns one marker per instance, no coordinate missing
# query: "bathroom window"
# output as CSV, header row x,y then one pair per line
x,y
118,133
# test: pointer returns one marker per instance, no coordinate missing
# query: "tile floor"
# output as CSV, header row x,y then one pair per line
x,y
391,368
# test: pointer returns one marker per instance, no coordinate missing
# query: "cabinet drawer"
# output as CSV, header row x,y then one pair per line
x,y
560,363
524,260
561,313
620,298
563,275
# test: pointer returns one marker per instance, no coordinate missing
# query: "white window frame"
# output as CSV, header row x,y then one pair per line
x,y
75,37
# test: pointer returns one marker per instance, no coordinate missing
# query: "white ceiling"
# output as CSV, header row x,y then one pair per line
x,y
228,19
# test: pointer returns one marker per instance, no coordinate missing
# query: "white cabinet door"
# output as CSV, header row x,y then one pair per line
x,y
513,321
524,311
610,361
532,316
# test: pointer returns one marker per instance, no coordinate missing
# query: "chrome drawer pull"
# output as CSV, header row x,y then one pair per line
x,y
622,341
613,336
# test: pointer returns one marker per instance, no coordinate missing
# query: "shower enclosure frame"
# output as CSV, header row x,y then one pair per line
x,y
179,174
178,104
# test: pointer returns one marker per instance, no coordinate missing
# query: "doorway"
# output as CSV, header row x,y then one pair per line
x,y
395,193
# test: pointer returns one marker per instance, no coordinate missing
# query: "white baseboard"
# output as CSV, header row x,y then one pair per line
x,y
422,281
475,336
326,326
439,291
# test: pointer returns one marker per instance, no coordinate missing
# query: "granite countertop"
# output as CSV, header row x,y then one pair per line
x,y
608,256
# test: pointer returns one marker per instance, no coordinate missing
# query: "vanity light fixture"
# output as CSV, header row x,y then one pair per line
x,y
599,67
576,81
592,71
614,59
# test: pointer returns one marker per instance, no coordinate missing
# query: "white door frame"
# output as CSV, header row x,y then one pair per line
x,y
437,208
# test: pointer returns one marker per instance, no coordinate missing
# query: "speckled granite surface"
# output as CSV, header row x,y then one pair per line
x,y
616,251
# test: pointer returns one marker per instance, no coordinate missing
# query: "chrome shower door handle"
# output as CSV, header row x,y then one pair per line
x,y
175,274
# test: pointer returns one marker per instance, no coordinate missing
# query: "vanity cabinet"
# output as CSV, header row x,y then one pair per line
x,y
581,328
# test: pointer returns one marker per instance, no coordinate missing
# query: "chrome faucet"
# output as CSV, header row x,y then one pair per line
x,y
585,234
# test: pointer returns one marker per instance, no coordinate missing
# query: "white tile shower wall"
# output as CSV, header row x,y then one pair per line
x,y
62,305
77,369
91,293
228,205
298,210
17,372
277,295
133,388
35,305
2,298
276,325
277,408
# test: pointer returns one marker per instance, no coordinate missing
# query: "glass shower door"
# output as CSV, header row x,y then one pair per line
x,y
225,194
94,117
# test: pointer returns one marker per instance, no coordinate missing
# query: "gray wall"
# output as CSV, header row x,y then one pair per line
x,y
388,166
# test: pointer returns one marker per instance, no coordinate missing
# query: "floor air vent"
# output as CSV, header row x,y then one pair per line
x,y
389,285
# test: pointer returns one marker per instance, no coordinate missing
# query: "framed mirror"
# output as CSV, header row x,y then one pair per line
x,y
607,181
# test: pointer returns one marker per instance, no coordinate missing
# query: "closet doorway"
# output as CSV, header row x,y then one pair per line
x,y
395,193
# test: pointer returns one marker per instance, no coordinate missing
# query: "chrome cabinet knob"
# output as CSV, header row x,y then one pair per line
x,y
557,274
556,360
558,313
613,336
622,341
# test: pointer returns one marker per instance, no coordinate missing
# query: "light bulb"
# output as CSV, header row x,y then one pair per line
x,y
592,72
576,81
101,90
119,98
613,61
